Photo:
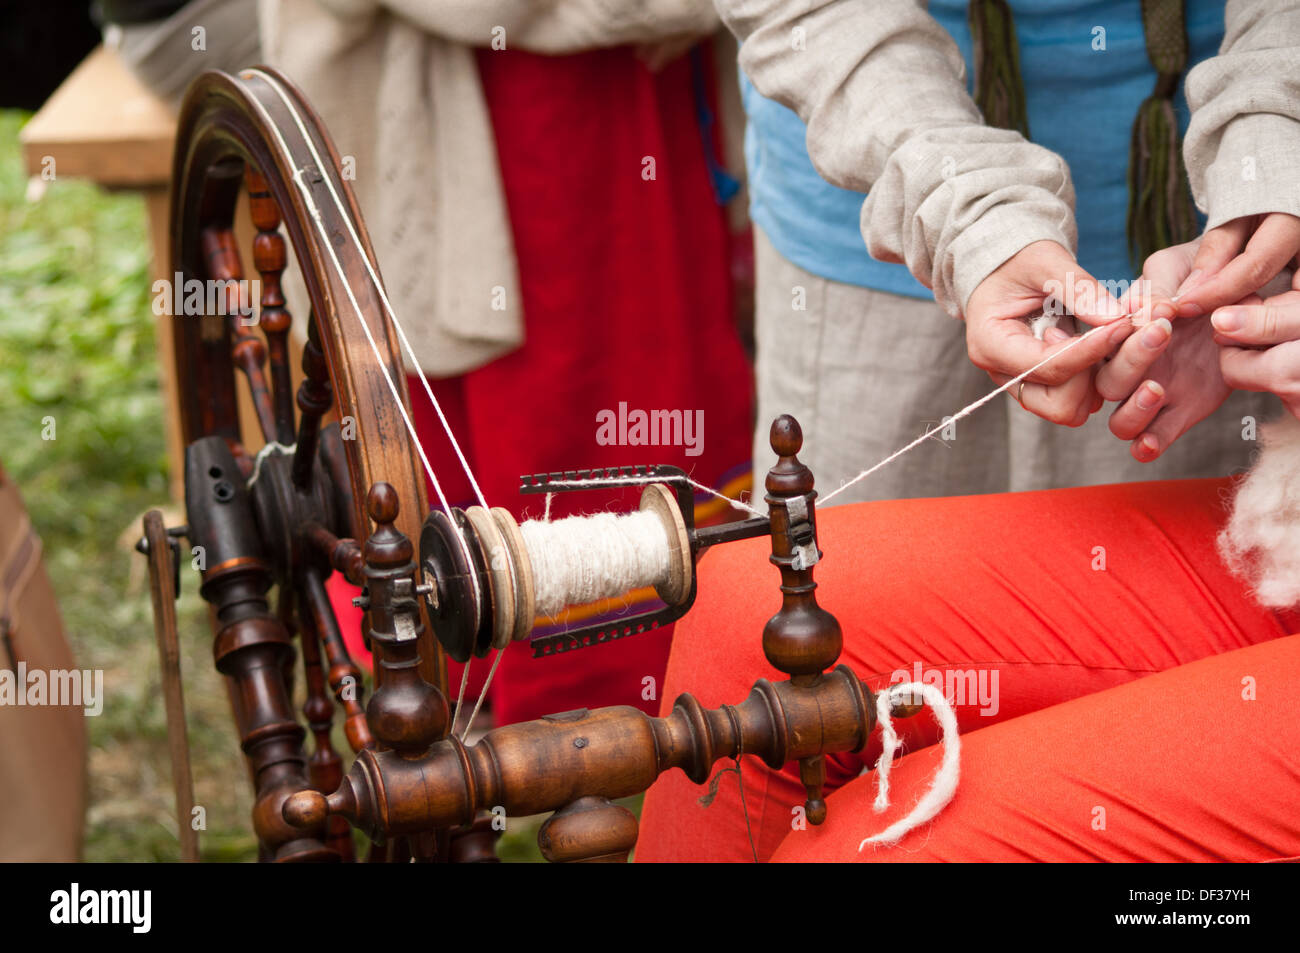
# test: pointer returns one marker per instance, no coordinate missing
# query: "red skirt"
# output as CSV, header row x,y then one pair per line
x,y
1121,697
624,261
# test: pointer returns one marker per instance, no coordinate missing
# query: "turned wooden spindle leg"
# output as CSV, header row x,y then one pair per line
x,y
590,830
252,645
476,844
802,639
405,713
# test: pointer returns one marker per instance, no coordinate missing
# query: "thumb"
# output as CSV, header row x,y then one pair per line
x,y
1076,291
1165,275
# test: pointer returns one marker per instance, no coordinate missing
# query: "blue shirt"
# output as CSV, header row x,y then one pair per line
x,y
1081,104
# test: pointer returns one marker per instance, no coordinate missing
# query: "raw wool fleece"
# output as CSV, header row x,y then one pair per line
x,y
1261,542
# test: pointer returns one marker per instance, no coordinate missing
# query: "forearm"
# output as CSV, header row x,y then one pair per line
x,y
881,88
1242,147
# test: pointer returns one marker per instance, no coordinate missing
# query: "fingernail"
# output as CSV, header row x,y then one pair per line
x,y
1056,335
1150,445
1228,320
1164,310
1149,395
1157,333
1190,311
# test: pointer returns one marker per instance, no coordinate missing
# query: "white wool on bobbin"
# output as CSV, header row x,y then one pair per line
x,y
1261,542
587,558
942,787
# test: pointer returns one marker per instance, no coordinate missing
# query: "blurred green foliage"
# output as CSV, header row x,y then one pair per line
x,y
77,344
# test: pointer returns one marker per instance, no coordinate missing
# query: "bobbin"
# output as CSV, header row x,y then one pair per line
x,y
482,584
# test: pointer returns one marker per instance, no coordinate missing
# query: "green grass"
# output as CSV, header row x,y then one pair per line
x,y
77,345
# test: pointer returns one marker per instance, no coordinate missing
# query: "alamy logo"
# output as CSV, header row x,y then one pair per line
x,y
962,686
56,688
653,428
227,297
97,907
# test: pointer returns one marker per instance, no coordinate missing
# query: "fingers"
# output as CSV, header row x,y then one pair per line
x,y
1164,275
1275,369
1268,251
1135,415
1220,245
1092,302
1274,321
1117,378
1171,423
1008,348
998,338
1069,404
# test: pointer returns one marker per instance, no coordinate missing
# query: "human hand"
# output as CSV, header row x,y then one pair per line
x,y
999,340
1229,262
1259,345
1165,375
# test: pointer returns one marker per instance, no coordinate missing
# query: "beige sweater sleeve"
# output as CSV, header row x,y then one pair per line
x,y
881,87
1242,147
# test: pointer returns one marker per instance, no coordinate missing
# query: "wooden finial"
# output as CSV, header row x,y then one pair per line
x,y
386,547
789,477
786,436
381,503
306,810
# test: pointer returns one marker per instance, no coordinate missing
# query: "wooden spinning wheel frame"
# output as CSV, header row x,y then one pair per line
x,y
303,505
235,134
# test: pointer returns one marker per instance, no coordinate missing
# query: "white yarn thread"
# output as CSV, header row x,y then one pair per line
x,y
942,787
587,558
968,410
262,454
374,275
328,244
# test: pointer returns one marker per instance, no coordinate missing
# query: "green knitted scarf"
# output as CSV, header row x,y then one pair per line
x,y
1160,209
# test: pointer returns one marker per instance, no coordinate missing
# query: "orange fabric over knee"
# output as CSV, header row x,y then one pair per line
x,y
1199,763
1013,602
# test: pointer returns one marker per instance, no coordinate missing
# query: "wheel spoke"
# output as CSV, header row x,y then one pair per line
x,y
324,767
344,555
344,676
248,351
314,398
269,258
336,461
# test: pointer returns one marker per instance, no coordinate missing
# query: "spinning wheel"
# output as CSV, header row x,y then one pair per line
x,y
319,498
257,134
